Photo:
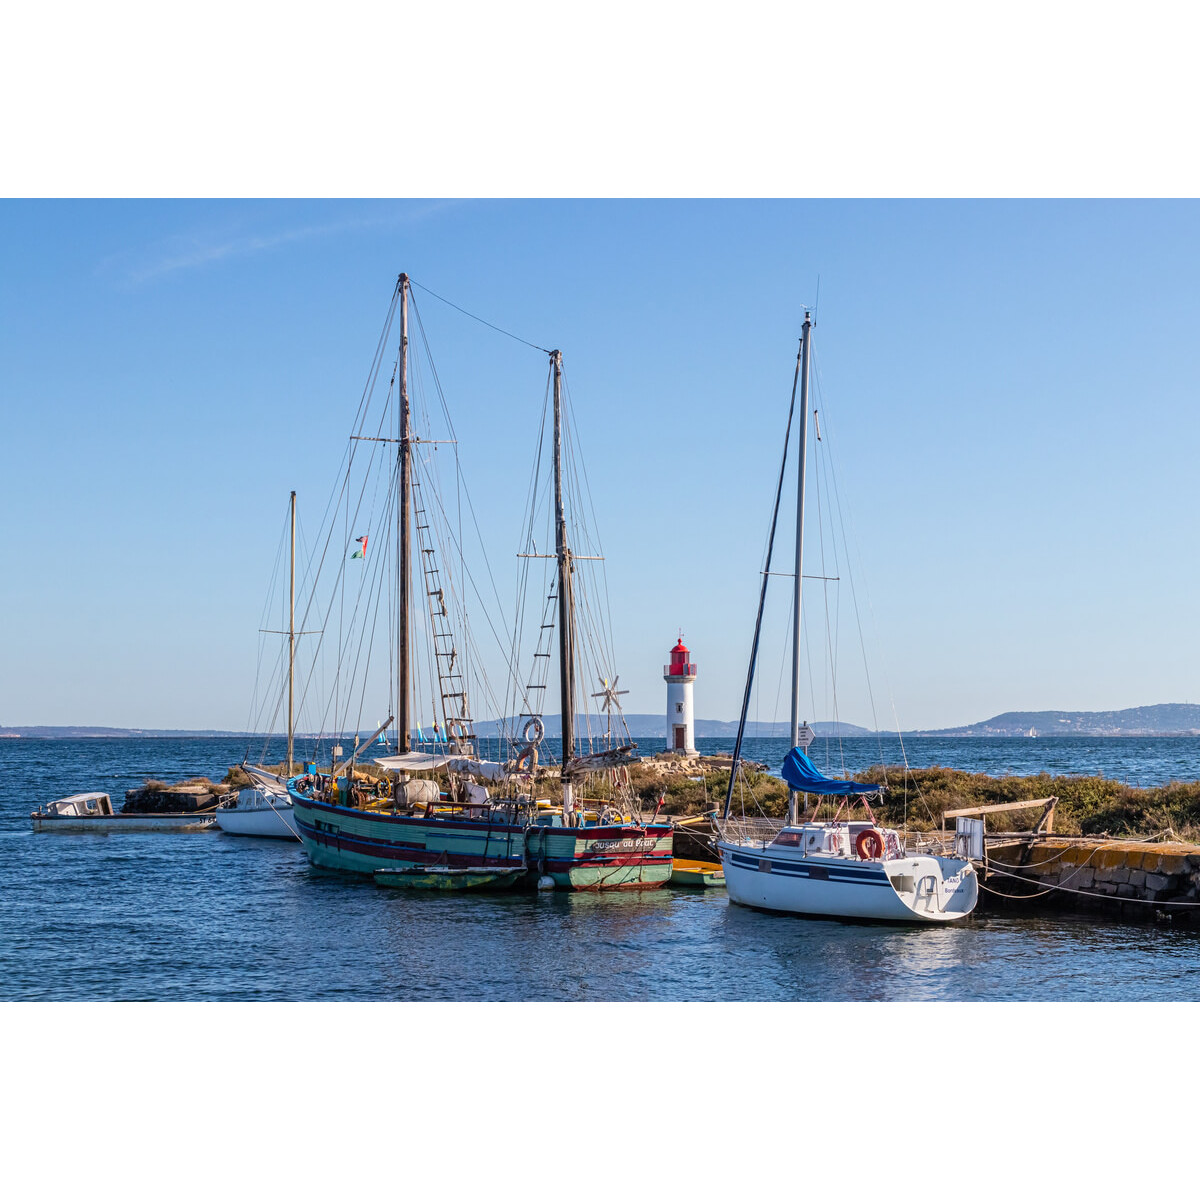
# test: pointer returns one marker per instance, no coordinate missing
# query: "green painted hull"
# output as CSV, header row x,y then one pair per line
x,y
602,857
347,839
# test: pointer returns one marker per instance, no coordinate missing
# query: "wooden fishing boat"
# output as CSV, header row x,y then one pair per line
x,y
692,872
487,819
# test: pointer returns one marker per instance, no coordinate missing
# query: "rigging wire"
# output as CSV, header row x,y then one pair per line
x,y
465,313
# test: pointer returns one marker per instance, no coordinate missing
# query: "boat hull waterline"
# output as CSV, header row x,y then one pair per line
x,y
127,823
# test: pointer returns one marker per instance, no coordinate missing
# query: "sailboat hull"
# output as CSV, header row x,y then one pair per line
x,y
361,842
602,857
870,890
277,821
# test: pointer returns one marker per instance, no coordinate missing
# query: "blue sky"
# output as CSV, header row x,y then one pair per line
x,y
1010,390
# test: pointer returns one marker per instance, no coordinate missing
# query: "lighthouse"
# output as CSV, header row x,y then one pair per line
x,y
680,674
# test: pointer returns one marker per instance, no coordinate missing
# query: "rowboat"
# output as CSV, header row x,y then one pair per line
x,y
450,878
691,872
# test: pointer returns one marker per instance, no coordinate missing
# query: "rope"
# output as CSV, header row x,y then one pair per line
x,y
1080,892
532,345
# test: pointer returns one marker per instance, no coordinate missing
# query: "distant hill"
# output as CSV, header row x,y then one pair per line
x,y
1152,720
655,725
89,731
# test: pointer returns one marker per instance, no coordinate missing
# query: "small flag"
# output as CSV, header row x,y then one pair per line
x,y
361,552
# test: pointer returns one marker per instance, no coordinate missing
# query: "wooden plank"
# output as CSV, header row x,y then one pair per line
x,y
1012,806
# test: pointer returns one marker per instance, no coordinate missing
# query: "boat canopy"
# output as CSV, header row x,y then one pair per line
x,y
266,780
493,772
800,774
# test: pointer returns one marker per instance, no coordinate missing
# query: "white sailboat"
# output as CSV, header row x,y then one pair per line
x,y
839,868
265,809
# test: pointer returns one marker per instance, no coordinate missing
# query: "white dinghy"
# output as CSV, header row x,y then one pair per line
x,y
849,869
264,810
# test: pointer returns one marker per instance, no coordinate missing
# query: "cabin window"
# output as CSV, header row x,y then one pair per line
x,y
679,706
789,837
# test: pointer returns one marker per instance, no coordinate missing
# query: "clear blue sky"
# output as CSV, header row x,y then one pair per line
x,y
1011,389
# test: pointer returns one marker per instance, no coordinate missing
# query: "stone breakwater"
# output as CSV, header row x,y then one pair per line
x,y
1127,879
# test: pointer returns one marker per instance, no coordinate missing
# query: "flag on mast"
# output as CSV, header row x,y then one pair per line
x,y
361,552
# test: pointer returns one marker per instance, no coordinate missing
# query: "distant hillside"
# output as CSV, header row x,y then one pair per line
x,y
655,725
89,731
1153,720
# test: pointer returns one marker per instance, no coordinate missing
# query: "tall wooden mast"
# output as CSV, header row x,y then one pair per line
x,y
566,623
403,686
291,732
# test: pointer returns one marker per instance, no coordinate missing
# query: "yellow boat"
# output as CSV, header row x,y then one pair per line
x,y
692,872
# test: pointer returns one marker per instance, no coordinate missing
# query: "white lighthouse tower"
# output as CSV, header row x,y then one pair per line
x,y
680,674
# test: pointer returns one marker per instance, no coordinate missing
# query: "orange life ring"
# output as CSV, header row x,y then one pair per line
x,y
869,844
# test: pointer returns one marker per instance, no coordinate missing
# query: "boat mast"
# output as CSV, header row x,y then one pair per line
x,y
566,664
805,347
762,593
404,519
291,732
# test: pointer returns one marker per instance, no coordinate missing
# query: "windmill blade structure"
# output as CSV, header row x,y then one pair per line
x,y
609,694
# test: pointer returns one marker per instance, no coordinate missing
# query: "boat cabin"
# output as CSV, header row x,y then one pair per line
x,y
842,840
85,804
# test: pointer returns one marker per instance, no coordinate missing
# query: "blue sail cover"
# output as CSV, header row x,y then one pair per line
x,y
800,774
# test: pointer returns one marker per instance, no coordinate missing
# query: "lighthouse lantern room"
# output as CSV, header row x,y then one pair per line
x,y
680,675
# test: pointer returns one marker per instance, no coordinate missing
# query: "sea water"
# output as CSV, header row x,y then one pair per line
x,y
212,917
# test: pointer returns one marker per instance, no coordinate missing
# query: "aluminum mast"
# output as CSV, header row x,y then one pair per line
x,y
805,348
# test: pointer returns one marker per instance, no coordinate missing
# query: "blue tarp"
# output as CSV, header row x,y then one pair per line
x,y
800,774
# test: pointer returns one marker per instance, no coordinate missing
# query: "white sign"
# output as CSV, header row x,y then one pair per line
x,y
805,736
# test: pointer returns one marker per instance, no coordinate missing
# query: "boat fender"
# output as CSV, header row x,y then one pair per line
x,y
545,883
869,844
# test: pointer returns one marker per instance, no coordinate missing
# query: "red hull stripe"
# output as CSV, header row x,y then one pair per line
x,y
318,806
398,852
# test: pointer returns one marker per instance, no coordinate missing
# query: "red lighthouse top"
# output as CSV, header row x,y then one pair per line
x,y
680,663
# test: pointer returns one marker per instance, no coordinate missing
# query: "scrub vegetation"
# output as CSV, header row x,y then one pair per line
x,y
1087,804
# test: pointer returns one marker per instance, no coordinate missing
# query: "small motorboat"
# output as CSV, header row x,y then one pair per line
x,y
692,872
449,878
92,812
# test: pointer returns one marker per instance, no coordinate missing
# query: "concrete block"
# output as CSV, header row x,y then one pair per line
x,y
1157,883
1126,890
1172,864
1078,877
1137,878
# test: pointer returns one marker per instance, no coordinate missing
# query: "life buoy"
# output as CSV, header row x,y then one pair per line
x,y
531,735
869,844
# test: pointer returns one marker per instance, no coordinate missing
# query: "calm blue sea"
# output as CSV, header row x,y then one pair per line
x,y
208,917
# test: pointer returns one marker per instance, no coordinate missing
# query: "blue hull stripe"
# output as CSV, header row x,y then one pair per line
x,y
802,870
